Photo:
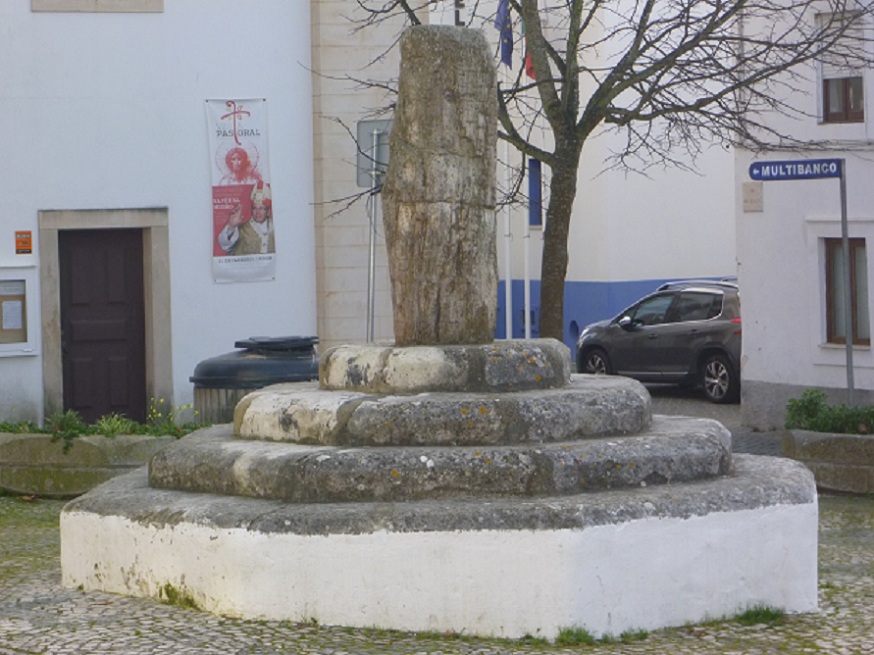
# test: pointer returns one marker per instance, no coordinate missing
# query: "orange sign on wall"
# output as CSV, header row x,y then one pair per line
x,y
24,243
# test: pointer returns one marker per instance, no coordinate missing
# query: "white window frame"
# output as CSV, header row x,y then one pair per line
x,y
824,353
27,274
860,286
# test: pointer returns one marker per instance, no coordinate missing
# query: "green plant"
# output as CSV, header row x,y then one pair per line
x,y
574,637
67,426
114,424
630,636
19,426
760,614
170,595
812,412
531,640
164,419
68,422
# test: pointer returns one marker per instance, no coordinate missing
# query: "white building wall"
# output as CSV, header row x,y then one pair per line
x,y
782,264
669,223
345,58
782,280
106,111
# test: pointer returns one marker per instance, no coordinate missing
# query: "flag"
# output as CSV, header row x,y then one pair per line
x,y
504,24
529,65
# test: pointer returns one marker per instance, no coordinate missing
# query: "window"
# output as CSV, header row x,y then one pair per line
x,y
843,90
836,325
652,311
535,193
695,306
843,100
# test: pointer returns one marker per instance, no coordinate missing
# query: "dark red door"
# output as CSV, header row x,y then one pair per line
x,y
102,322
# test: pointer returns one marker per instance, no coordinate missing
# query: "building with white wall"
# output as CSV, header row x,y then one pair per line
x,y
790,253
105,134
108,135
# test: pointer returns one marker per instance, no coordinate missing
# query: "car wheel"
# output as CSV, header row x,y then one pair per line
x,y
596,362
719,379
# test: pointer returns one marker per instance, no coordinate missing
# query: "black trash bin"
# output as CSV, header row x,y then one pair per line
x,y
220,382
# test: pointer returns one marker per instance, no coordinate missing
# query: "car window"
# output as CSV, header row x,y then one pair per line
x,y
695,306
652,311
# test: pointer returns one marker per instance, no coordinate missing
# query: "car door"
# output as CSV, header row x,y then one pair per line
x,y
636,348
688,327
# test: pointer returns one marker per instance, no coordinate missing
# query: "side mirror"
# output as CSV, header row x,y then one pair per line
x,y
625,323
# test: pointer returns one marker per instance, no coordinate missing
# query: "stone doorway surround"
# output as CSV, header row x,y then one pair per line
x,y
156,272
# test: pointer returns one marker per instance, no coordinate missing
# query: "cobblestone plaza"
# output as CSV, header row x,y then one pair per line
x,y
38,616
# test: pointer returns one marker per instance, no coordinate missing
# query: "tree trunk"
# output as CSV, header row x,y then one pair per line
x,y
553,271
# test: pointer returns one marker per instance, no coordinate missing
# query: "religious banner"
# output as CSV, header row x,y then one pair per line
x,y
243,244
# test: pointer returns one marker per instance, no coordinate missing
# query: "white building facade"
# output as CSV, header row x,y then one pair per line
x,y
105,136
108,135
796,306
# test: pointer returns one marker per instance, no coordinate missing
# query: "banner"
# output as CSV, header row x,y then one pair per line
x,y
243,243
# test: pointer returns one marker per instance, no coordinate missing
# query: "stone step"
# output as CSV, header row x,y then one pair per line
x,y
501,365
590,406
213,461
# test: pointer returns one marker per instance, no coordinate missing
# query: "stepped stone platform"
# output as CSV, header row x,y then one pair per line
x,y
478,489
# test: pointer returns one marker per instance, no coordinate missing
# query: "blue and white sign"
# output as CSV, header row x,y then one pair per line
x,y
801,169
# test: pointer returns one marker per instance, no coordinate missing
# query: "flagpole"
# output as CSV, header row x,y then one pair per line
x,y
502,23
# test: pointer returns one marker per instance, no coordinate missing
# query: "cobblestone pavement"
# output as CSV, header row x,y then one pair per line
x,y
38,616
672,400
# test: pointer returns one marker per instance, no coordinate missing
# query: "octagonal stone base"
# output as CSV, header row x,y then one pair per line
x,y
612,561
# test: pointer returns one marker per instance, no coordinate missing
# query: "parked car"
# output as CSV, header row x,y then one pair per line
x,y
687,332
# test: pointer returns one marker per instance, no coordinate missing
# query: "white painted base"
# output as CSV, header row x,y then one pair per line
x,y
643,574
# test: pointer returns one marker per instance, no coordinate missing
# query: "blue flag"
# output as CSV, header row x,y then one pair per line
x,y
505,26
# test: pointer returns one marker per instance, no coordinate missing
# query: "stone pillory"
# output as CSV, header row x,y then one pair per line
x,y
439,192
451,481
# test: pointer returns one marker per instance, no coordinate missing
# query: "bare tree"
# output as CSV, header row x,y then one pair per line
x,y
669,75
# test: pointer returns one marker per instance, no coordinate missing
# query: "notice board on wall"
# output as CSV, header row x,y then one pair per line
x,y
19,311
13,311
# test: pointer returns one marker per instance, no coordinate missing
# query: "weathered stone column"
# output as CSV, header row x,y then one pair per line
x,y
439,193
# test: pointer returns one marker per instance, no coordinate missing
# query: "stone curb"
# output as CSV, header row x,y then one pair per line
x,y
757,482
213,461
35,464
588,406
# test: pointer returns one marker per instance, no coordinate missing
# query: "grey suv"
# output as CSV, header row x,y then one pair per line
x,y
687,332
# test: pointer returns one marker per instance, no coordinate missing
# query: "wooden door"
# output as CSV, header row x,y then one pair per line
x,y
103,322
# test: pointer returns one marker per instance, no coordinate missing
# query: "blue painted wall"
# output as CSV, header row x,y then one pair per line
x,y
584,303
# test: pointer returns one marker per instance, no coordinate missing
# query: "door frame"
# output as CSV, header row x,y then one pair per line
x,y
156,279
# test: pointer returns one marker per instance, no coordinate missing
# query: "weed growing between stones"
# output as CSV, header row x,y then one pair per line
x,y
575,637
760,615
65,425
115,424
630,636
531,640
582,637
170,595
164,419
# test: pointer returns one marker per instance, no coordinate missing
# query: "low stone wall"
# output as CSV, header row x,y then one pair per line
x,y
839,462
34,464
